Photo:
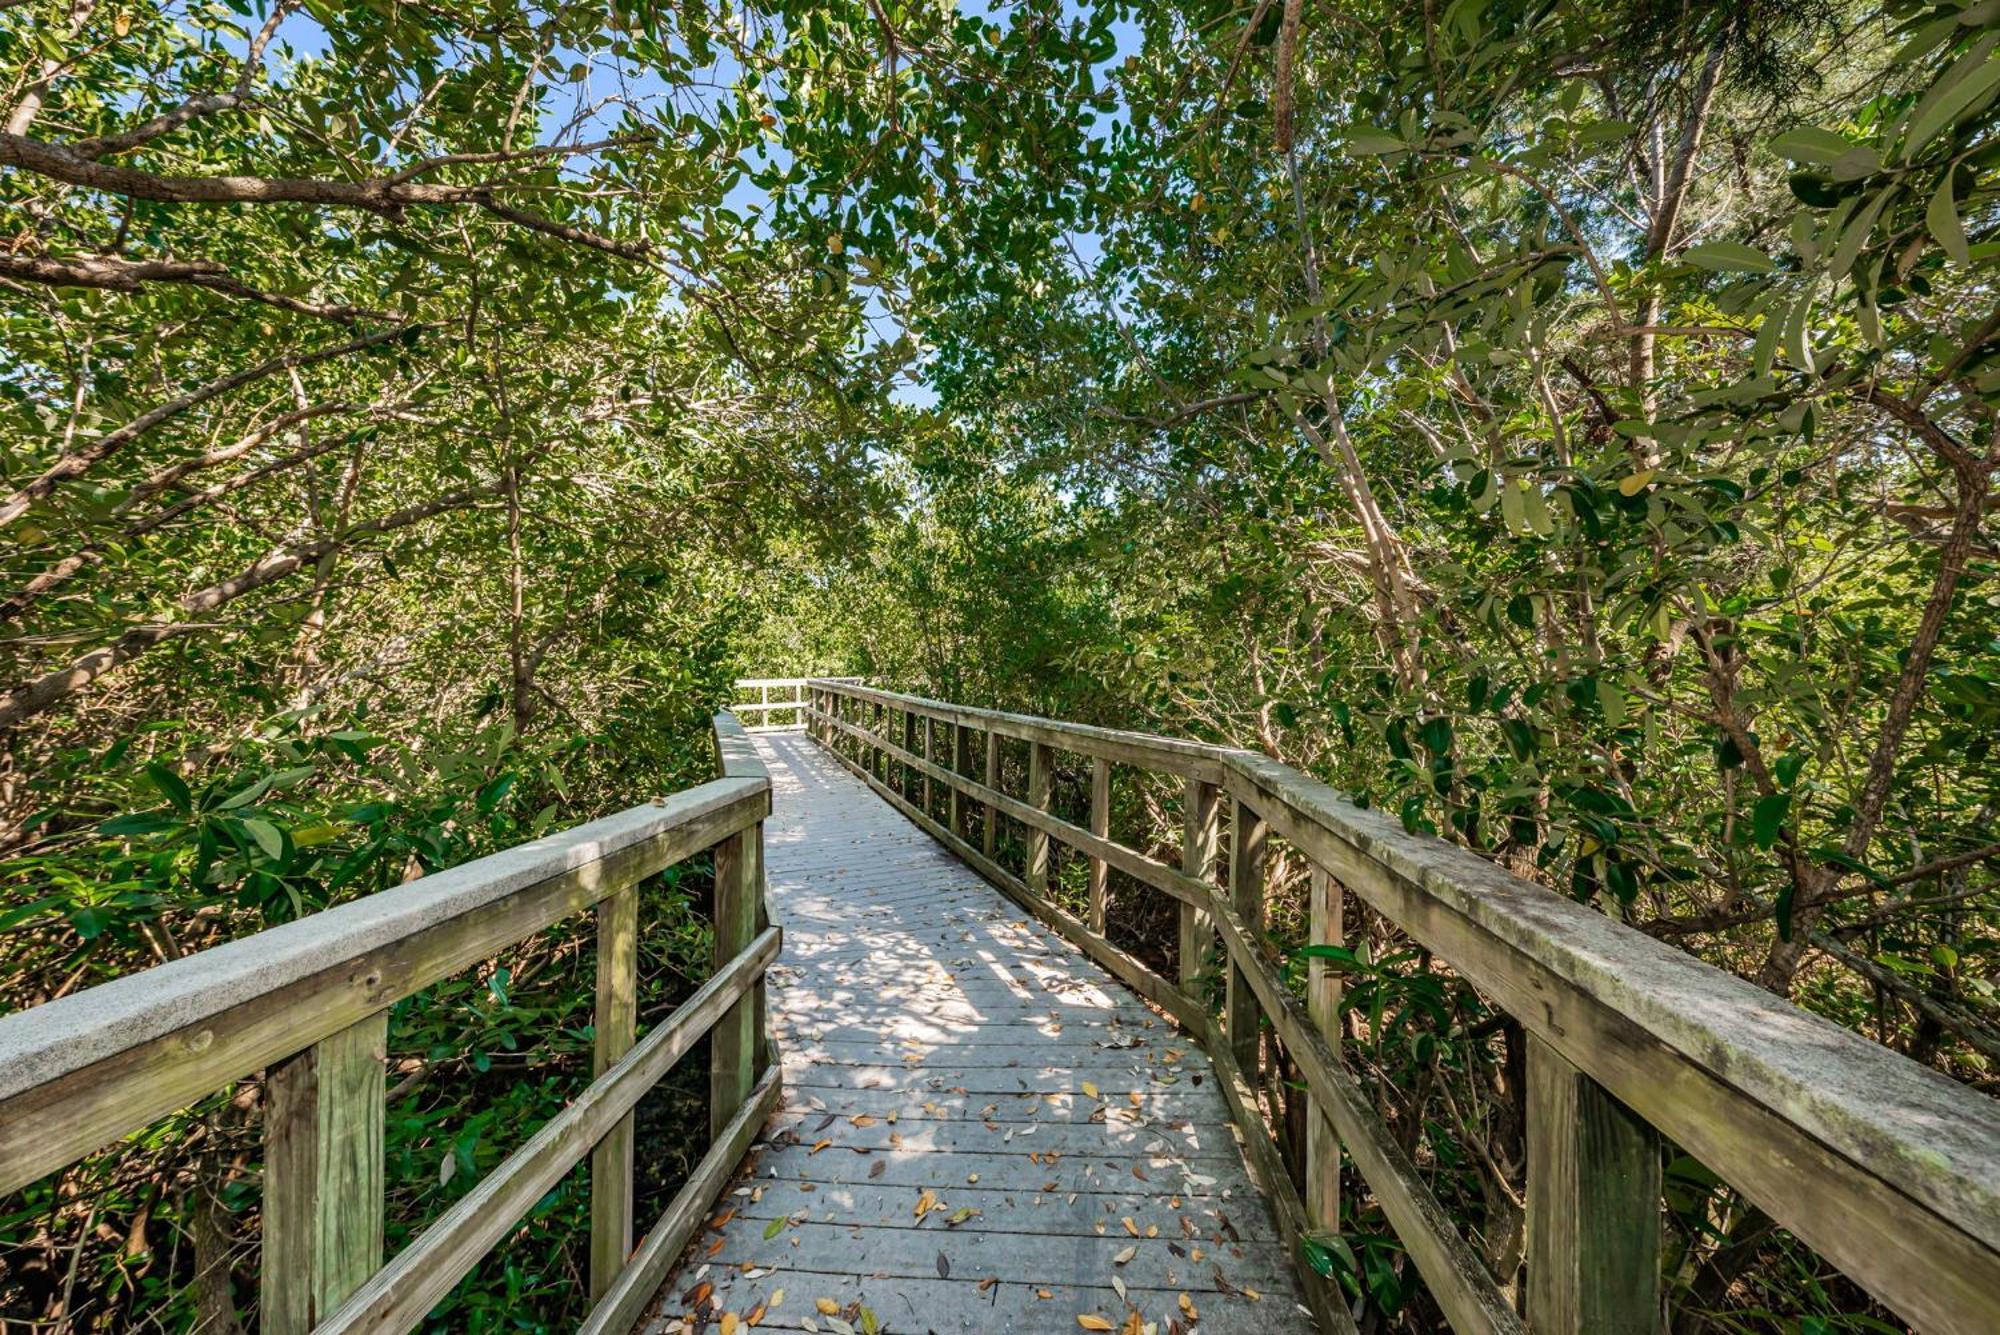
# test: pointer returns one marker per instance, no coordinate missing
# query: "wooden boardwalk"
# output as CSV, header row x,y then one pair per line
x,y
981,1131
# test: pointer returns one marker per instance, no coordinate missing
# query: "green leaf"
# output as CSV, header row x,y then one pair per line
x,y
1729,257
1767,820
1612,701
1809,143
775,1227
1946,101
267,836
171,787
1345,958
1368,143
1941,217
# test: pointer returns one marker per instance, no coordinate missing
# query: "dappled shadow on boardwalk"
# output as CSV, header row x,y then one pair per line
x,y
980,1131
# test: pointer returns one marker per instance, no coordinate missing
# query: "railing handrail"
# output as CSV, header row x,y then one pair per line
x,y
58,1038
79,1072
1767,1094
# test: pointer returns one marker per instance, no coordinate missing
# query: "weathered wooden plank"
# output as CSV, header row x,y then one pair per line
x,y
1248,834
1041,777
81,1071
1170,1106
1185,1141
1593,1206
619,1310
930,757
1100,826
982,1303
871,1205
946,1173
403,1293
323,1182
961,762
1326,928
911,1253
739,888
613,1022
990,826
1201,836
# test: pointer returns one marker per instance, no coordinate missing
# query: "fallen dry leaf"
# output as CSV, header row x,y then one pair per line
x,y
1091,1321
1187,1308
826,1306
1125,1256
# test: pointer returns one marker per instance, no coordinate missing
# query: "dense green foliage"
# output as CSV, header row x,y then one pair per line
x,y
1566,424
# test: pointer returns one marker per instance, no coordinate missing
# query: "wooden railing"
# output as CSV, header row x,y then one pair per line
x,y
785,713
308,1003
1889,1170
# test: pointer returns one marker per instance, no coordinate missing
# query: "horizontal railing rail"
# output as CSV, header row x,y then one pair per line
x,y
1890,1170
307,1004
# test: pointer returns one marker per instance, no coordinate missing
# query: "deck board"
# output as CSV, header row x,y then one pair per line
x,y
934,1039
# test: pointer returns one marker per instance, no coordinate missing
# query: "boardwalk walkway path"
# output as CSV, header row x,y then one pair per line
x,y
981,1131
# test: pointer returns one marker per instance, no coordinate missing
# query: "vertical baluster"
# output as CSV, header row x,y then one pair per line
x,y
1041,776
961,762
1100,825
323,1175
930,755
614,1023
1200,834
1247,834
1323,1006
990,833
733,1043
908,786
1593,1206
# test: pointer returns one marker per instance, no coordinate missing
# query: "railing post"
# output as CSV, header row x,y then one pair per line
x,y
1323,1007
878,732
733,1043
961,761
323,1175
990,830
1100,825
1593,1206
1200,833
908,786
1041,776
1247,834
614,1025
